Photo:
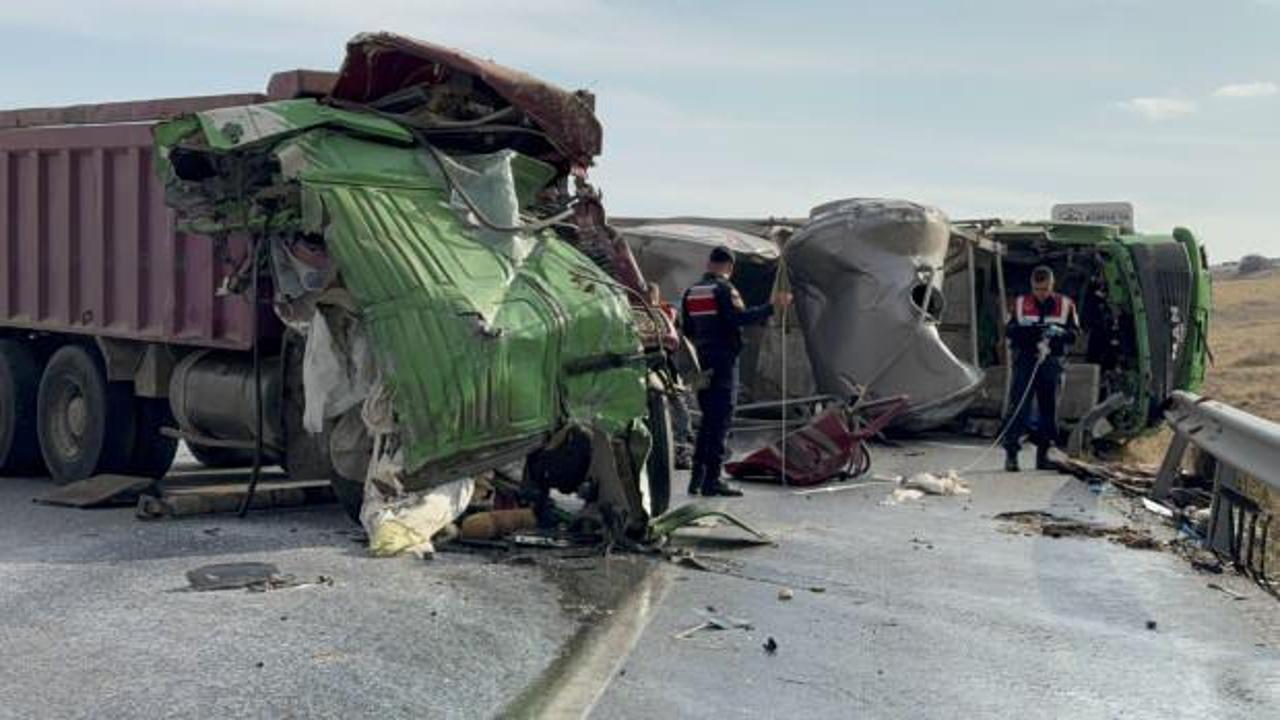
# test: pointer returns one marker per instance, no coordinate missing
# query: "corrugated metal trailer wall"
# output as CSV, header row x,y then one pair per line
x,y
86,243
88,246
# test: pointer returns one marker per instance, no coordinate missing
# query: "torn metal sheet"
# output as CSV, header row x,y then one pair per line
x,y
867,276
661,528
379,65
97,490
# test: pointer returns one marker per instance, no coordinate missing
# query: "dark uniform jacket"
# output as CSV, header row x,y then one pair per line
x,y
712,314
1032,318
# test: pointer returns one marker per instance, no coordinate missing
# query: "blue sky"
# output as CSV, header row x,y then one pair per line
x,y
750,108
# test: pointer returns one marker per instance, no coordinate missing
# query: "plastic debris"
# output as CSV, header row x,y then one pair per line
x,y
407,523
786,594
337,374
901,495
948,484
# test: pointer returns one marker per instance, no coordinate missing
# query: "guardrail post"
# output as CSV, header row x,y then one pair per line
x,y
1170,467
1221,532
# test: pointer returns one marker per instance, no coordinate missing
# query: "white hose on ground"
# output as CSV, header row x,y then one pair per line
x,y
1009,421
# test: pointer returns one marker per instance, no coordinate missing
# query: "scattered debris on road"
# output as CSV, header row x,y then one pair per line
x,y
251,576
915,487
662,528
715,622
1030,522
832,444
96,491
786,593
1226,591
770,646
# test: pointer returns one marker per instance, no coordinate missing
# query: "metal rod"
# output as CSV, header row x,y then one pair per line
x,y
767,404
256,472
973,306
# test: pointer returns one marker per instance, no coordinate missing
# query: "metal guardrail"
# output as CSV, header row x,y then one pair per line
x,y
1241,445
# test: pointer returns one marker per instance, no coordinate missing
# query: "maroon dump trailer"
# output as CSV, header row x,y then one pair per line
x,y
111,320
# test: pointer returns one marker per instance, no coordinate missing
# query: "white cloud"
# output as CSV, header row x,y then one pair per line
x,y
1247,90
1159,109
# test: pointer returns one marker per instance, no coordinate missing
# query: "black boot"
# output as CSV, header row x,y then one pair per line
x,y
1042,459
720,488
1011,461
695,477
713,486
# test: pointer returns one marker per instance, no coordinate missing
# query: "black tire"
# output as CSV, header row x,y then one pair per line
x,y
85,424
152,452
20,369
661,465
350,495
350,448
217,457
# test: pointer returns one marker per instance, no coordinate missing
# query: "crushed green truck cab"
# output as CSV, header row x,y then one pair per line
x,y
430,229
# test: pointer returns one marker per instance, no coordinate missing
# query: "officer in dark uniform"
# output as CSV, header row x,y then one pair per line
x,y
1044,325
712,314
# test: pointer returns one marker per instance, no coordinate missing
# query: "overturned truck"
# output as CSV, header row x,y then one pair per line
x,y
894,297
426,290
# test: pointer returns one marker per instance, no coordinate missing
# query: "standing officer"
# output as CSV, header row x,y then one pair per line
x,y
1044,325
712,315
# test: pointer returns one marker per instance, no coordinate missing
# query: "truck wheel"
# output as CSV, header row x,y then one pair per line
x,y
217,457
85,424
661,464
350,495
350,448
152,452
19,384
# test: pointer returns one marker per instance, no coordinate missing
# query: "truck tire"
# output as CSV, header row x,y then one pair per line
x,y
661,465
217,457
19,386
85,424
350,495
152,452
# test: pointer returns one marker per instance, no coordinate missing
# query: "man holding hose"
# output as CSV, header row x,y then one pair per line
x,y
1043,327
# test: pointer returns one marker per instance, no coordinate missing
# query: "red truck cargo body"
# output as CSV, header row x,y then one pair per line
x,y
87,244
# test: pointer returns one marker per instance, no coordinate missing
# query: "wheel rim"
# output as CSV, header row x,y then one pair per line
x,y
71,423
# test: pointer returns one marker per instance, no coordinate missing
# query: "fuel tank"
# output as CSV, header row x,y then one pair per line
x,y
867,276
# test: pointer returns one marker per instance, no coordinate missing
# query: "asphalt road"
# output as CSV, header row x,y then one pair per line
x,y
93,623
926,609
929,610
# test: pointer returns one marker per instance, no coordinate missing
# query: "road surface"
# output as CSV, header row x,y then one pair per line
x,y
925,609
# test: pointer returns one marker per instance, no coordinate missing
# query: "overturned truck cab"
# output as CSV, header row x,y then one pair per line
x,y
453,299
1144,300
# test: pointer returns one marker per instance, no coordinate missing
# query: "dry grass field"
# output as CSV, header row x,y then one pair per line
x,y
1244,337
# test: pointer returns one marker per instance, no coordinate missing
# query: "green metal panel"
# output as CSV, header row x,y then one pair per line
x,y
234,127
472,334
486,338
1197,339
